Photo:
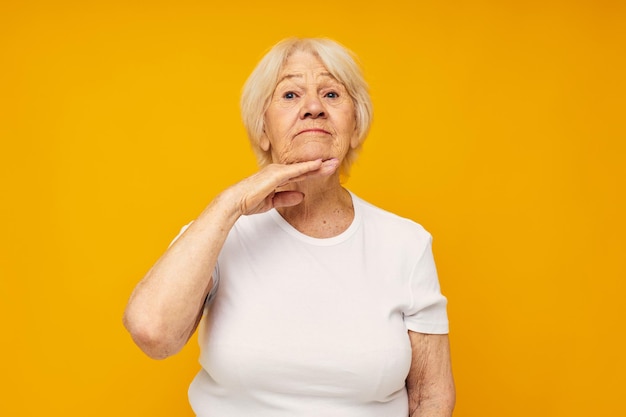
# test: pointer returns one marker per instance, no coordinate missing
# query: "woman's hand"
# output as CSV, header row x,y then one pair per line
x,y
259,192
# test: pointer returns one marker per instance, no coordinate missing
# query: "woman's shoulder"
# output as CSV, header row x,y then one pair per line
x,y
389,222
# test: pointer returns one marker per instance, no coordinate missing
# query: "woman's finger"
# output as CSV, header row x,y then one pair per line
x,y
326,168
287,198
258,192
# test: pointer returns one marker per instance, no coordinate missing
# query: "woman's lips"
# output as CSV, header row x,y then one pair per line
x,y
314,130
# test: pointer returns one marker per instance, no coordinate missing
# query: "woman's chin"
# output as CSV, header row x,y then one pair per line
x,y
315,155
304,158
310,152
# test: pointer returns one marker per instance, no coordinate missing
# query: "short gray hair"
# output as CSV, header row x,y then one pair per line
x,y
260,86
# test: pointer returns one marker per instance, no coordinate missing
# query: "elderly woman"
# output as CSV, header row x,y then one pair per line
x,y
312,302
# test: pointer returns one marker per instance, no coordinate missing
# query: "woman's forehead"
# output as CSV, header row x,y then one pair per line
x,y
304,66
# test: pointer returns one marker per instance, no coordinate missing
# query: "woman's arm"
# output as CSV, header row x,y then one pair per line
x,y
166,306
430,384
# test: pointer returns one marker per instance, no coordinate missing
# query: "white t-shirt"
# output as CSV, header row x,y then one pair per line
x,y
301,326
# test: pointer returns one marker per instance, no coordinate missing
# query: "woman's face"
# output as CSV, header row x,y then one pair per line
x,y
310,116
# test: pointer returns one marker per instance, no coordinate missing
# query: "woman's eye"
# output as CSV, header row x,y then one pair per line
x,y
289,95
332,94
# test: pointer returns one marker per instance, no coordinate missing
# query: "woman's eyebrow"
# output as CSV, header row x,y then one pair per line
x,y
299,76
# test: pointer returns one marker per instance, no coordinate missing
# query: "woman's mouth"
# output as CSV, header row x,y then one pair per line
x,y
314,131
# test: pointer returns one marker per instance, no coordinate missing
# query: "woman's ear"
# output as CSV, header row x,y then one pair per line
x,y
355,141
264,142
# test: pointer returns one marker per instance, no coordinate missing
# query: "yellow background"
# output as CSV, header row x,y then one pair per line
x,y
498,125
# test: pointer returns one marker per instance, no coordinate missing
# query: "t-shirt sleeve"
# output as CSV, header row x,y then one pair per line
x,y
182,230
427,311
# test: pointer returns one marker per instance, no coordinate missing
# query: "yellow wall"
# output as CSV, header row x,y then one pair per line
x,y
498,125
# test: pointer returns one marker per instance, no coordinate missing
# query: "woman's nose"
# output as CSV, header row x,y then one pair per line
x,y
312,107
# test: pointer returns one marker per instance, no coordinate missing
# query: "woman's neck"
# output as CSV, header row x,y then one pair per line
x,y
326,210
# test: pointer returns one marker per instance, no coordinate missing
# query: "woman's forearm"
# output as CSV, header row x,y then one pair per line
x,y
164,309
